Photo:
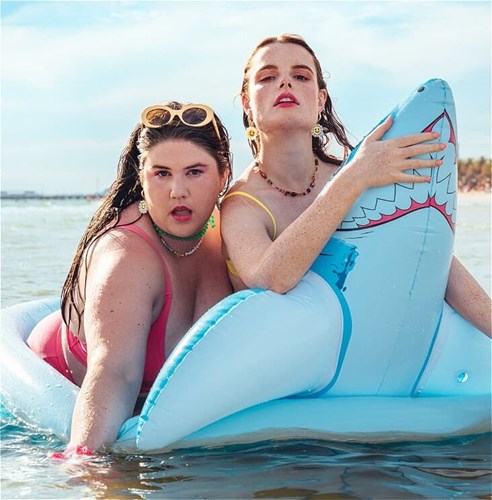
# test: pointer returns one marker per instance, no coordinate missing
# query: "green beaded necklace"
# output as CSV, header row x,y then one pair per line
x,y
161,232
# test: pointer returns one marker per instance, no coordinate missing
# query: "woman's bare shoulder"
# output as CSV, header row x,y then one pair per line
x,y
123,250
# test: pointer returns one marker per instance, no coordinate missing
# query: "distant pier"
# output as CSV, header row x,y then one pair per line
x,y
32,195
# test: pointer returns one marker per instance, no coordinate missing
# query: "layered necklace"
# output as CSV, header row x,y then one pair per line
x,y
181,254
198,236
285,192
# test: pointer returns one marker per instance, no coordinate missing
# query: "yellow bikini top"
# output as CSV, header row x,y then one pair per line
x,y
230,265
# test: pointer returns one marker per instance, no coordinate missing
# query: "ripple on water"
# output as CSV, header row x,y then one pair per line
x,y
270,469
291,469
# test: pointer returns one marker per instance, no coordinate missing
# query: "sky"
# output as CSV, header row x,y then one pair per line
x,y
77,74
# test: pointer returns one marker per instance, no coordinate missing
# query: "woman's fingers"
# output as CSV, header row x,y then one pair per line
x,y
412,139
422,149
416,164
388,161
415,179
71,452
404,141
405,176
378,133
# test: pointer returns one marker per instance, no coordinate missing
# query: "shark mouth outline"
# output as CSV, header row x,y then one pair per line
x,y
441,192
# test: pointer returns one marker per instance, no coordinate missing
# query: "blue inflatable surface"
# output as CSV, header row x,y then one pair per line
x,y
364,348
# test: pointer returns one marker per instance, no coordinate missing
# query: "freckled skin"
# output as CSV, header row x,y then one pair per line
x,y
305,224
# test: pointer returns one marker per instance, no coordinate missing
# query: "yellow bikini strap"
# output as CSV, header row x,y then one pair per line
x,y
262,205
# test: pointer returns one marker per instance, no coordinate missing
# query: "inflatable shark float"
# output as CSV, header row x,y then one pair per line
x,y
363,349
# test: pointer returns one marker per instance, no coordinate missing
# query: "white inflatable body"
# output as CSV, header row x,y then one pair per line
x,y
364,348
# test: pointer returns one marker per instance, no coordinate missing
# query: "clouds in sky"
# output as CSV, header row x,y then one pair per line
x,y
75,75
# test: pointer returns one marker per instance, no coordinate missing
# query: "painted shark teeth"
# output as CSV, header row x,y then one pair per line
x,y
397,200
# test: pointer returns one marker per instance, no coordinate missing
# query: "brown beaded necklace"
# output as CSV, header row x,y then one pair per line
x,y
263,175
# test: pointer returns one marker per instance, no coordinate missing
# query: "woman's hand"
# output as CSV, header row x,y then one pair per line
x,y
71,452
380,162
260,262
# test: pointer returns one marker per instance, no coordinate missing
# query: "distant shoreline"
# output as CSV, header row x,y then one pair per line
x,y
469,193
36,196
475,194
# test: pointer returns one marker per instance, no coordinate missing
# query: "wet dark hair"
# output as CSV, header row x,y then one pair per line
x,y
331,124
127,188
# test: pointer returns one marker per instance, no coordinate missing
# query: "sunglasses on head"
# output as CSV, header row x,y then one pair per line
x,y
193,115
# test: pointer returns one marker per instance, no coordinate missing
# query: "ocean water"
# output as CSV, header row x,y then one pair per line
x,y
38,241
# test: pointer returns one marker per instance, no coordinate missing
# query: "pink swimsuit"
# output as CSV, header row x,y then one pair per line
x,y
46,338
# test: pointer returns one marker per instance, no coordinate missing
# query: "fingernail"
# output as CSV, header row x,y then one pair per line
x,y
436,134
442,146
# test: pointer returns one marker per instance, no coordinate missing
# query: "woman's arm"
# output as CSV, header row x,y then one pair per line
x,y
122,285
469,299
279,265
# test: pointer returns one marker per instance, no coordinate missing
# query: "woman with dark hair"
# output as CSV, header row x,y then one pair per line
x,y
147,267
287,204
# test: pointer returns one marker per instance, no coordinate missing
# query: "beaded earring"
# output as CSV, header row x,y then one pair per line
x,y
251,133
142,205
317,130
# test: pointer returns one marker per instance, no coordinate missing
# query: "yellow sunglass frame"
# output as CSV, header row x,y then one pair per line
x,y
210,117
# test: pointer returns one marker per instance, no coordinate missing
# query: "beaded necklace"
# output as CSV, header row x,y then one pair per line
x,y
181,254
161,232
285,192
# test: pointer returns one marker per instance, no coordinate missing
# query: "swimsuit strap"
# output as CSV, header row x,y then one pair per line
x,y
156,342
230,265
75,345
262,205
232,269
135,229
78,348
